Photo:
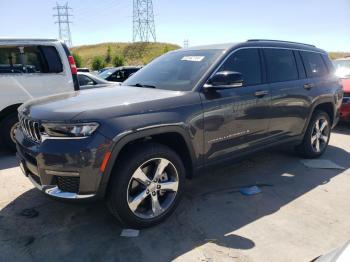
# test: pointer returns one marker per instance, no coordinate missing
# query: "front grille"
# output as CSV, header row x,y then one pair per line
x,y
68,184
30,128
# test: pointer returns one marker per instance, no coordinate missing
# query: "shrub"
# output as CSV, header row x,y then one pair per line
x,y
98,63
118,61
109,55
77,59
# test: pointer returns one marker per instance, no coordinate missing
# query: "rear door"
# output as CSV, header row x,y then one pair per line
x,y
290,101
237,118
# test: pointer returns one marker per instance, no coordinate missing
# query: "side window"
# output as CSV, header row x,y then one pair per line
x,y
314,64
281,65
85,81
10,60
53,60
33,60
246,62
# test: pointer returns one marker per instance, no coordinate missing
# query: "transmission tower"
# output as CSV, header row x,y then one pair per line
x,y
186,43
63,20
143,21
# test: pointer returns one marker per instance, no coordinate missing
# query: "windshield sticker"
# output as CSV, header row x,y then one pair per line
x,y
193,58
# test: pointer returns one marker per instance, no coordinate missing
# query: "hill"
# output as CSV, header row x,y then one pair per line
x,y
132,53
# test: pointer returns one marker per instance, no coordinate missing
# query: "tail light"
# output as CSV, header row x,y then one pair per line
x,y
73,66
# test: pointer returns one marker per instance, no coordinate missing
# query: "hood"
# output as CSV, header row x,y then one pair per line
x,y
96,103
346,85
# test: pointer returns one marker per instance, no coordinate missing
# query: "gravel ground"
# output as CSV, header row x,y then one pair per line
x,y
300,214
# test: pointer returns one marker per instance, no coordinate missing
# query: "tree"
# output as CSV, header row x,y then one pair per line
x,y
118,61
109,55
77,59
98,63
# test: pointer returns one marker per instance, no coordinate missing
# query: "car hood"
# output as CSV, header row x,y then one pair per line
x,y
96,103
346,85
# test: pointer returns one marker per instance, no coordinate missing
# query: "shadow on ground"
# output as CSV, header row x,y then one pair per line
x,y
211,211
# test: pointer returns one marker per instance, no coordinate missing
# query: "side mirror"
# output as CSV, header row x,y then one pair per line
x,y
225,79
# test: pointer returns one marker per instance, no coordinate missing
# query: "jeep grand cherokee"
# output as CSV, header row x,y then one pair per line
x,y
187,110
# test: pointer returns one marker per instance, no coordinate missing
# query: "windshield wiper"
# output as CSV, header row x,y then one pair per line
x,y
142,85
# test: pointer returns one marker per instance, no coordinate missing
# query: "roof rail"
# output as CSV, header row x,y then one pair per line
x,y
278,41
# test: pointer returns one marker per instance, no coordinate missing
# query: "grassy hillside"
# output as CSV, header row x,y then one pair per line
x,y
132,53
335,55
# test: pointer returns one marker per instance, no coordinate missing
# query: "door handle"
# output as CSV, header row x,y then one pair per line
x,y
261,93
309,86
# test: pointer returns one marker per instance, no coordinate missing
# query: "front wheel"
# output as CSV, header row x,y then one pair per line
x,y
146,185
8,129
316,137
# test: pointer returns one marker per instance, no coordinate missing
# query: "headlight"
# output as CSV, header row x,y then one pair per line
x,y
69,130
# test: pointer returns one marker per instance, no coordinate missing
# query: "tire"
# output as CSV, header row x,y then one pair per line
x,y
7,132
308,148
124,189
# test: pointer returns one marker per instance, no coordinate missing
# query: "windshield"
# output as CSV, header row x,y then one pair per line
x,y
177,71
342,68
105,74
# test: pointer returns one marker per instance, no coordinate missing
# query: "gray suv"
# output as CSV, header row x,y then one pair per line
x,y
187,110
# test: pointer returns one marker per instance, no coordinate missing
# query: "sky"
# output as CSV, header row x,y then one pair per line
x,y
323,23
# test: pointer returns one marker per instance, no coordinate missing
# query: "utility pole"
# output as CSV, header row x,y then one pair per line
x,y
186,43
62,14
143,21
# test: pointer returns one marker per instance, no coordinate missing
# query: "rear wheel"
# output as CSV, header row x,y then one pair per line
x,y
317,136
8,130
146,185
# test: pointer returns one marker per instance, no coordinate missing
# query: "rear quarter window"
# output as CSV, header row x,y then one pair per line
x,y
314,64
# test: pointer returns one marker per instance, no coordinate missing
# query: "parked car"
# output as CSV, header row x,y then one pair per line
x,y
343,71
185,111
87,81
31,68
84,70
119,74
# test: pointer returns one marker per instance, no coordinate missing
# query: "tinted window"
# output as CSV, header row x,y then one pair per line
x,y
53,60
33,60
281,65
314,64
179,71
84,80
30,59
246,62
10,60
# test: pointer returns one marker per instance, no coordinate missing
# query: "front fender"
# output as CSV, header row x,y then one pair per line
x,y
126,137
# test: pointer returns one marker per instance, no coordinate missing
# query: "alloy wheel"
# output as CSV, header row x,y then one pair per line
x,y
320,135
13,132
153,188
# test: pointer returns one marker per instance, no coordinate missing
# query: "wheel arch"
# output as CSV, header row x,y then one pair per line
x,y
173,136
325,104
9,110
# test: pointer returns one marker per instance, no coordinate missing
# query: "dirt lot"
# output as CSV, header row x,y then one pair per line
x,y
300,214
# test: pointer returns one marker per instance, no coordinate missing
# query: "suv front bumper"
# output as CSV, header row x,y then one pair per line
x,y
66,169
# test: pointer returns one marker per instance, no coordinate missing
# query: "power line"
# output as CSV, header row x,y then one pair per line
x,y
143,21
63,20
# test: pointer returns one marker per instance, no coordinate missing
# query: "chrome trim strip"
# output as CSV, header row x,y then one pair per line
x,y
54,191
61,173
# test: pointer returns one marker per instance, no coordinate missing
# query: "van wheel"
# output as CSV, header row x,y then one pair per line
x,y
317,136
146,185
8,129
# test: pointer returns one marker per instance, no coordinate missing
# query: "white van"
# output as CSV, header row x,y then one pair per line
x,y
31,68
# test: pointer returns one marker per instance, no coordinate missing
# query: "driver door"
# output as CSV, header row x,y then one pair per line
x,y
237,118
